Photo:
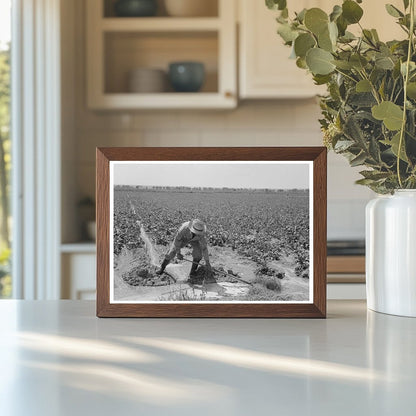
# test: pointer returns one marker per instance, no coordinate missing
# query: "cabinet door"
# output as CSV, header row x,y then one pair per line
x,y
78,276
265,68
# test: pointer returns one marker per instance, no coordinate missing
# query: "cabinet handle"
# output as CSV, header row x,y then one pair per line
x,y
229,94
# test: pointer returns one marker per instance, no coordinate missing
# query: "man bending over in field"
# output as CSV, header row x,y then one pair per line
x,y
193,233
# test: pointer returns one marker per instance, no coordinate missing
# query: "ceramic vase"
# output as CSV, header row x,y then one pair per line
x,y
391,253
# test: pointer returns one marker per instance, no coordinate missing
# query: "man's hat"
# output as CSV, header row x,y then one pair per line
x,y
198,227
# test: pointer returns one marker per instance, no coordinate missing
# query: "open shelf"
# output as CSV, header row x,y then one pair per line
x,y
80,247
119,45
160,24
126,51
168,100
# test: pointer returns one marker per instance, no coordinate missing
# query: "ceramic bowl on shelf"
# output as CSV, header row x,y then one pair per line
x,y
135,8
186,76
147,81
191,8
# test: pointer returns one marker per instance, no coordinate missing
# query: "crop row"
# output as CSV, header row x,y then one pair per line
x,y
260,226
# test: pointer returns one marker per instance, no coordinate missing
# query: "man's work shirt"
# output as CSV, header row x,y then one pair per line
x,y
184,237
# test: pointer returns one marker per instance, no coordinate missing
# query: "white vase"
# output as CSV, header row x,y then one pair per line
x,y
391,253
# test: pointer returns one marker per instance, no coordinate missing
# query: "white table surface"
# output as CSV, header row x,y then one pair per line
x,y
57,358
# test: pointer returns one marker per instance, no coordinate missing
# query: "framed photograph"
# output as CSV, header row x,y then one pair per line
x,y
211,232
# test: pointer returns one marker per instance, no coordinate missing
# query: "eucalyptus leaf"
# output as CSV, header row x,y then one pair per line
x,y
325,42
411,90
369,36
365,182
363,86
320,61
281,19
358,160
303,43
276,4
336,12
412,67
358,61
316,20
301,15
384,62
301,63
345,65
375,35
374,174
394,145
405,21
361,100
382,89
354,132
333,32
388,112
343,145
342,25
393,11
374,150
347,37
287,33
396,70
321,79
351,11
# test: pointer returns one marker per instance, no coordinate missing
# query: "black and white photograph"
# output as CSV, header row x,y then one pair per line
x,y
211,231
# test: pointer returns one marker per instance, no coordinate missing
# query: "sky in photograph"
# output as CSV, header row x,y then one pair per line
x,y
246,175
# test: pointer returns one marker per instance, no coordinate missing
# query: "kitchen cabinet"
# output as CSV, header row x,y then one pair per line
x,y
118,45
78,263
265,70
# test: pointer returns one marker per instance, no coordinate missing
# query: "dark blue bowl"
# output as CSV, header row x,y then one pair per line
x,y
135,8
186,76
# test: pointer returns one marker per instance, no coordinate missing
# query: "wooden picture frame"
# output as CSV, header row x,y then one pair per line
x,y
315,157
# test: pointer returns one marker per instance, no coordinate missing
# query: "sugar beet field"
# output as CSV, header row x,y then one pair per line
x,y
259,237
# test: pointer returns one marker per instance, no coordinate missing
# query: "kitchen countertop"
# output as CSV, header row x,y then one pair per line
x,y
57,358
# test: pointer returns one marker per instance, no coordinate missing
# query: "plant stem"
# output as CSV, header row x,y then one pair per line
x,y
346,75
373,88
406,80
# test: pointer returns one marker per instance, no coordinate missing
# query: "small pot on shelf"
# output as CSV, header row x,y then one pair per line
x,y
187,76
135,8
147,81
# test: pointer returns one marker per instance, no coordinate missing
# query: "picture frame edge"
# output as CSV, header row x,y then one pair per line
x,y
104,155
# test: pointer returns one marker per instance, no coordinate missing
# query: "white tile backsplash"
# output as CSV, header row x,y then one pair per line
x,y
346,219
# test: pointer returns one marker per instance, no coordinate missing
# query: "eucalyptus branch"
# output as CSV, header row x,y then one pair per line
x,y
373,88
406,80
370,64
398,95
392,91
346,75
